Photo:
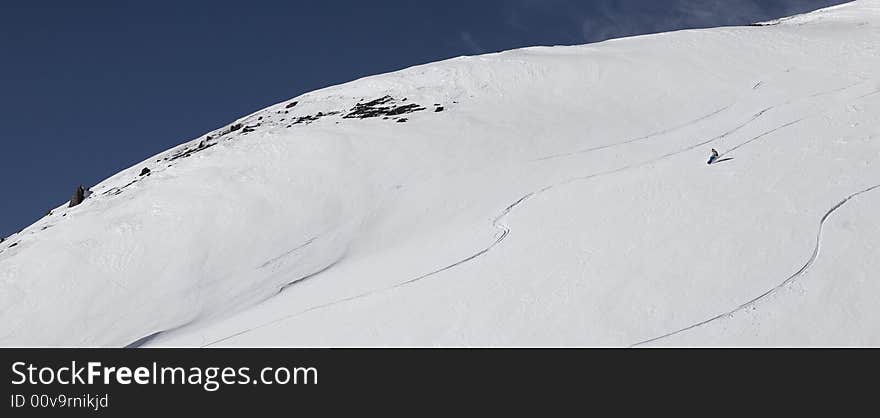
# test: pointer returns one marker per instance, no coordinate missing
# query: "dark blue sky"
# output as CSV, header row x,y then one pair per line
x,y
88,88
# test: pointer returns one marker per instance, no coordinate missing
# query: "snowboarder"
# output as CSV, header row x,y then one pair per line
x,y
713,157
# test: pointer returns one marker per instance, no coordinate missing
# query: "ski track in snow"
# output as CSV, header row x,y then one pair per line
x,y
778,287
658,133
868,94
505,229
498,224
143,340
761,136
294,250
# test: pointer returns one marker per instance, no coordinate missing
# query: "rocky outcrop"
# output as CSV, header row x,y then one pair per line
x,y
78,196
382,107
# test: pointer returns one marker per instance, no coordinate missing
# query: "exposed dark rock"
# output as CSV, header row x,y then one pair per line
x,y
379,101
144,172
186,152
401,120
405,109
230,129
117,190
13,244
307,119
248,129
770,23
78,196
383,106
438,109
291,104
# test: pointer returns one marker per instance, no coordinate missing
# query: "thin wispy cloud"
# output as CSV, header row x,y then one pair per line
x,y
596,20
470,43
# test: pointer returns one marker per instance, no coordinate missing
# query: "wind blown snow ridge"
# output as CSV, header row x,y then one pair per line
x,y
504,232
773,290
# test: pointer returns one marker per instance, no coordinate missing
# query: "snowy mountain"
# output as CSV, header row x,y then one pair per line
x,y
537,197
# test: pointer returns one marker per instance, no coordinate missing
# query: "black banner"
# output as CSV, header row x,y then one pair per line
x,y
111,382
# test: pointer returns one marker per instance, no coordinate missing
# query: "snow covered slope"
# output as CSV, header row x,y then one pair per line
x,y
543,196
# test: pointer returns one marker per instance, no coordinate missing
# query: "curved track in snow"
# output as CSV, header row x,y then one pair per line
x,y
775,289
505,229
499,224
629,141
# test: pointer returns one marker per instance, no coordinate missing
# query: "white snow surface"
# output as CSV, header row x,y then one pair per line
x,y
561,198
